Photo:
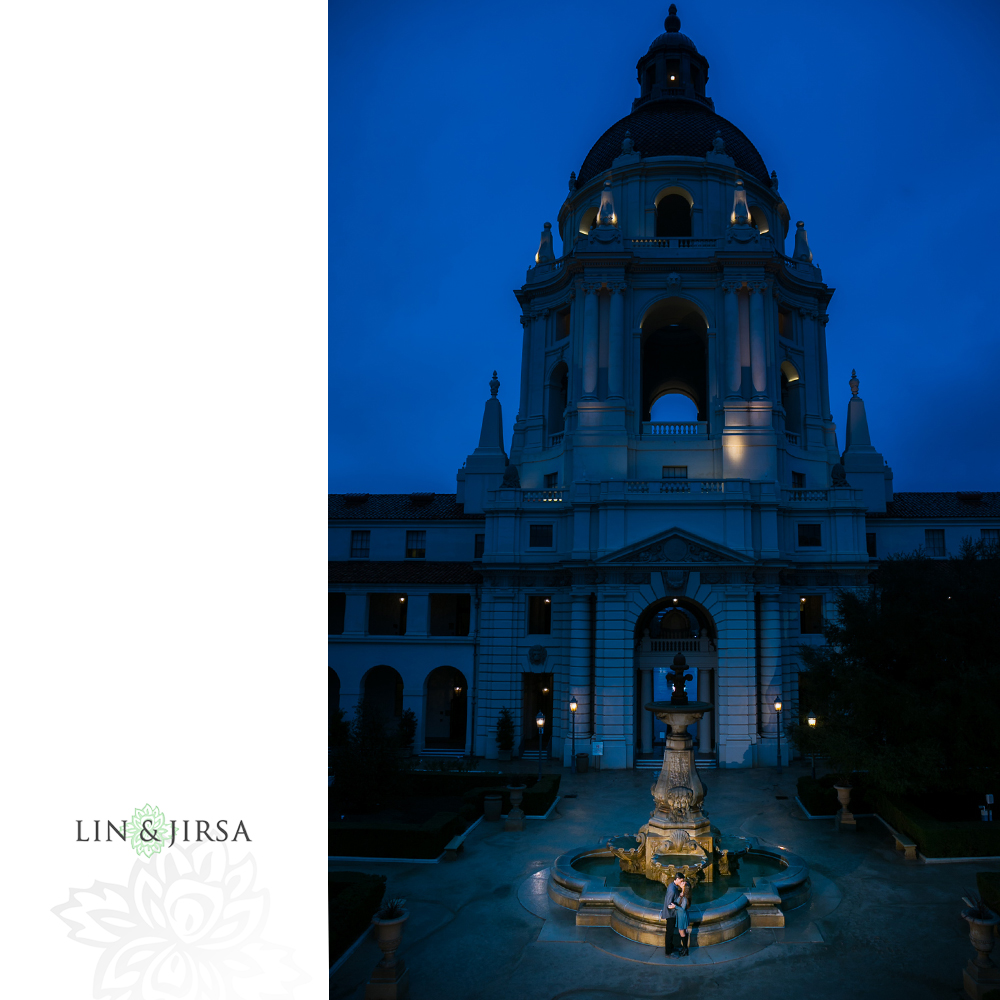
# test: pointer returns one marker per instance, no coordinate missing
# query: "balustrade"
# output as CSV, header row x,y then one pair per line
x,y
805,496
791,438
674,428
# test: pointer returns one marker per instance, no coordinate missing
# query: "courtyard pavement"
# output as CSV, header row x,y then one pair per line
x,y
481,926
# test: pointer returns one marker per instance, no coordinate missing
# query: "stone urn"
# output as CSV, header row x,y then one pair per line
x,y
981,976
845,817
515,818
492,807
390,978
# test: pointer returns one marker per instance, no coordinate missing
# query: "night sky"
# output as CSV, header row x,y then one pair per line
x,y
454,128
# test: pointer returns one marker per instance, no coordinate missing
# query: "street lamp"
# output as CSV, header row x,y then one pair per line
x,y
540,722
777,709
573,706
812,725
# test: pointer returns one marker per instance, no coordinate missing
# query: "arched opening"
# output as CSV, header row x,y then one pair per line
x,y
791,397
674,356
588,220
383,694
667,627
558,392
446,702
758,219
673,406
673,215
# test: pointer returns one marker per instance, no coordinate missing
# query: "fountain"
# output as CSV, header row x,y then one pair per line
x,y
618,886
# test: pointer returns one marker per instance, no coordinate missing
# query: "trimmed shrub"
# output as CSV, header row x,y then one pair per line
x,y
937,839
353,898
361,839
988,886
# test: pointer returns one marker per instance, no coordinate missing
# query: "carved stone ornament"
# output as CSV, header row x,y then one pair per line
x,y
674,550
674,281
627,145
511,478
537,655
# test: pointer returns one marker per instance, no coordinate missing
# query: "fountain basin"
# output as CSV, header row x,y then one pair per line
x,y
579,881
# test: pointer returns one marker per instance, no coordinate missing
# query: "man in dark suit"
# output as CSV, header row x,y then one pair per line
x,y
669,911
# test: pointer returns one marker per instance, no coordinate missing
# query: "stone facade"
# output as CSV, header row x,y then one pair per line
x,y
601,520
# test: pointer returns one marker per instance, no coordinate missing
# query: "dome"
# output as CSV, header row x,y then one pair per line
x,y
673,128
672,40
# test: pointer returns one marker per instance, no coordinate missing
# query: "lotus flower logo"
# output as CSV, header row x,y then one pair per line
x,y
150,830
186,927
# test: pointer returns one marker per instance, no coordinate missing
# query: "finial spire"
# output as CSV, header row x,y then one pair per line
x,y
494,384
802,251
853,382
672,22
606,216
741,213
545,253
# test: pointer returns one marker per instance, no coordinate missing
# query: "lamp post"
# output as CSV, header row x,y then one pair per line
x,y
540,722
812,726
777,710
573,706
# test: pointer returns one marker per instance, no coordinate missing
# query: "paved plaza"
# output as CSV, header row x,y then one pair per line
x,y
481,926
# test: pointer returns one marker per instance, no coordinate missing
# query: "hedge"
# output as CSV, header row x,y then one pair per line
x,y
938,839
537,797
367,839
820,797
988,885
353,898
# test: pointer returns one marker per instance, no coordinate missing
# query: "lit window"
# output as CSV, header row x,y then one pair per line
x,y
810,535
360,544
934,541
539,615
416,544
540,536
675,472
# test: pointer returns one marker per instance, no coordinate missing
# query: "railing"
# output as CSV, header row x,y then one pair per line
x,y
674,486
678,243
673,428
555,439
542,496
806,496
791,438
797,265
675,645
649,241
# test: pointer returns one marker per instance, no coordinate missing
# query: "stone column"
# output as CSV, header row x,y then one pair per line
x,y
732,340
522,412
824,377
705,725
758,352
616,341
590,341
646,718
770,668
579,666
538,337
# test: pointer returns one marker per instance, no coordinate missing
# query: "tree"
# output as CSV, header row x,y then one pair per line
x,y
908,685
369,766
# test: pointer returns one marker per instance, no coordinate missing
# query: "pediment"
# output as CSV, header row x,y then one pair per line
x,y
677,547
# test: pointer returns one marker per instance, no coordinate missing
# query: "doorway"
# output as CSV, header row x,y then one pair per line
x,y
446,708
536,696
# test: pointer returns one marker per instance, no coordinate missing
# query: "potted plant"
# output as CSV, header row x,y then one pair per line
x,y
388,921
407,732
982,924
505,734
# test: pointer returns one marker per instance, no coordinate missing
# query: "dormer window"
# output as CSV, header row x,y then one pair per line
x,y
650,77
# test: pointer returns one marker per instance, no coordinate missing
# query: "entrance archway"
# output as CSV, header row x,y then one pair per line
x,y
383,693
670,626
446,701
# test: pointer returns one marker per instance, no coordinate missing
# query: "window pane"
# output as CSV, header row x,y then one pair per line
x,y
360,544
991,536
810,534
387,614
811,615
539,615
540,536
450,614
336,613
934,541
798,480
870,539
551,480
480,547
675,472
416,542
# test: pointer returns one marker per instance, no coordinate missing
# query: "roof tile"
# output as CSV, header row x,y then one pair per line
x,y
929,505
397,506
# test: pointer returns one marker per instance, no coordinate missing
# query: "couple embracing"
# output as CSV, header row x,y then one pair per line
x,y
675,911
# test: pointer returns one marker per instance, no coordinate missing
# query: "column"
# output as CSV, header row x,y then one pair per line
x,y
732,340
705,725
538,339
616,341
646,718
590,341
824,377
522,412
758,353
770,670
579,666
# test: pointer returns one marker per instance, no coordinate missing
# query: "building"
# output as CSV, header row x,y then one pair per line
x,y
619,531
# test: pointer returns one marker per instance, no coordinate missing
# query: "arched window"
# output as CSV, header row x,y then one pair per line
x,y
558,390
383,693
588,220
673,216
791,397
758,219
674,357
673,406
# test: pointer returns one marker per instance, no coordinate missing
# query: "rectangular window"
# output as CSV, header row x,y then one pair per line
x,y
539,615
479,547
540,536
360,544
811,615
785,324
673,73
387,614
810,534
562,325
798,480
551,480
934,541
870,539
450,614
416,544
336,613
991,536
675,472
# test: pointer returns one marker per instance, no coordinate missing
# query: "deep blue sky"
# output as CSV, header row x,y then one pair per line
x,y
454,128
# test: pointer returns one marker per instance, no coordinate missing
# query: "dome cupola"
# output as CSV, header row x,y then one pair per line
x,y
673,67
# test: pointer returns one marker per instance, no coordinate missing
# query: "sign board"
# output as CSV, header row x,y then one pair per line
x,y
597,749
